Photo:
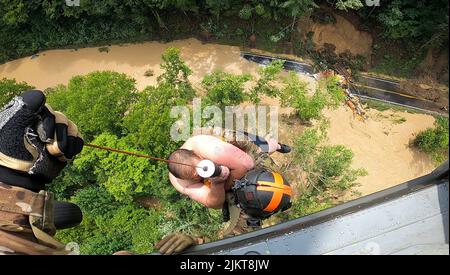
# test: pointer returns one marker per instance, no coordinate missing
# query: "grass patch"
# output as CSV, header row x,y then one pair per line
x,y
398,120
382,106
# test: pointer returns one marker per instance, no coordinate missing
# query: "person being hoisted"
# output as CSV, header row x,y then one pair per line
x,y
234,172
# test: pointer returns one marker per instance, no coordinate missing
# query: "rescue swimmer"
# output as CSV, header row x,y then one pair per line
x,y
245,181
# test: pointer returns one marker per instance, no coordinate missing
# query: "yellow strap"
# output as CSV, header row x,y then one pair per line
x,y
235,214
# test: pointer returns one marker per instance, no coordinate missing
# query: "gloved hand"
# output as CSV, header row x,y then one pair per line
x,y
35,141
273,144
175,243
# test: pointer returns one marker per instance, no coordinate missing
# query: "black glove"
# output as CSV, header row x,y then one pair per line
x,y
35,142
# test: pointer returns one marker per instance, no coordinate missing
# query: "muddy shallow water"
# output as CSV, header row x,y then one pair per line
x,y
379,145
58,66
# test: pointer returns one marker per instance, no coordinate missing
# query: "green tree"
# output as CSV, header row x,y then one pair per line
x,y
349,4
95,201
417,21
298,8
151,132
176,74
265,83
334,91
125,177
128,227
96,102
224,89
217,7
9,88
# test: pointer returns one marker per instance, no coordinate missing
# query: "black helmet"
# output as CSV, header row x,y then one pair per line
x,y
261,193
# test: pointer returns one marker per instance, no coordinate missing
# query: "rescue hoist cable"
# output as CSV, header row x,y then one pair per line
x,y
138,155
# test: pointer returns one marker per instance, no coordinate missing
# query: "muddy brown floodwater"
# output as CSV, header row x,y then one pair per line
x,y
380,144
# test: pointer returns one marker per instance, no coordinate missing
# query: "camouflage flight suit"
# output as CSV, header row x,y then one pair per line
x,y
238,219
26,223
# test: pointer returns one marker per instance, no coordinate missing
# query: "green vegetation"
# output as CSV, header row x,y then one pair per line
x,y
382,106
176,74
403,29
295,95
324,171
265,84
398,120
434,141
309,107
9,88
224,89
409,29
96,102
397,62
423,21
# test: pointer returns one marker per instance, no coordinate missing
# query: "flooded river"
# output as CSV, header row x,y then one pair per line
x,y
380,145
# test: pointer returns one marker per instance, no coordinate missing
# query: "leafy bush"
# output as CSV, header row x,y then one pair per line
x,y
124,176
73,178
265,85
96,102
106,243
151,132
412,19
9,88
147,232
434,141
295,95
176,74
95,201
246,12
324,170
309,107
335,93
349,4
224,89
184,214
